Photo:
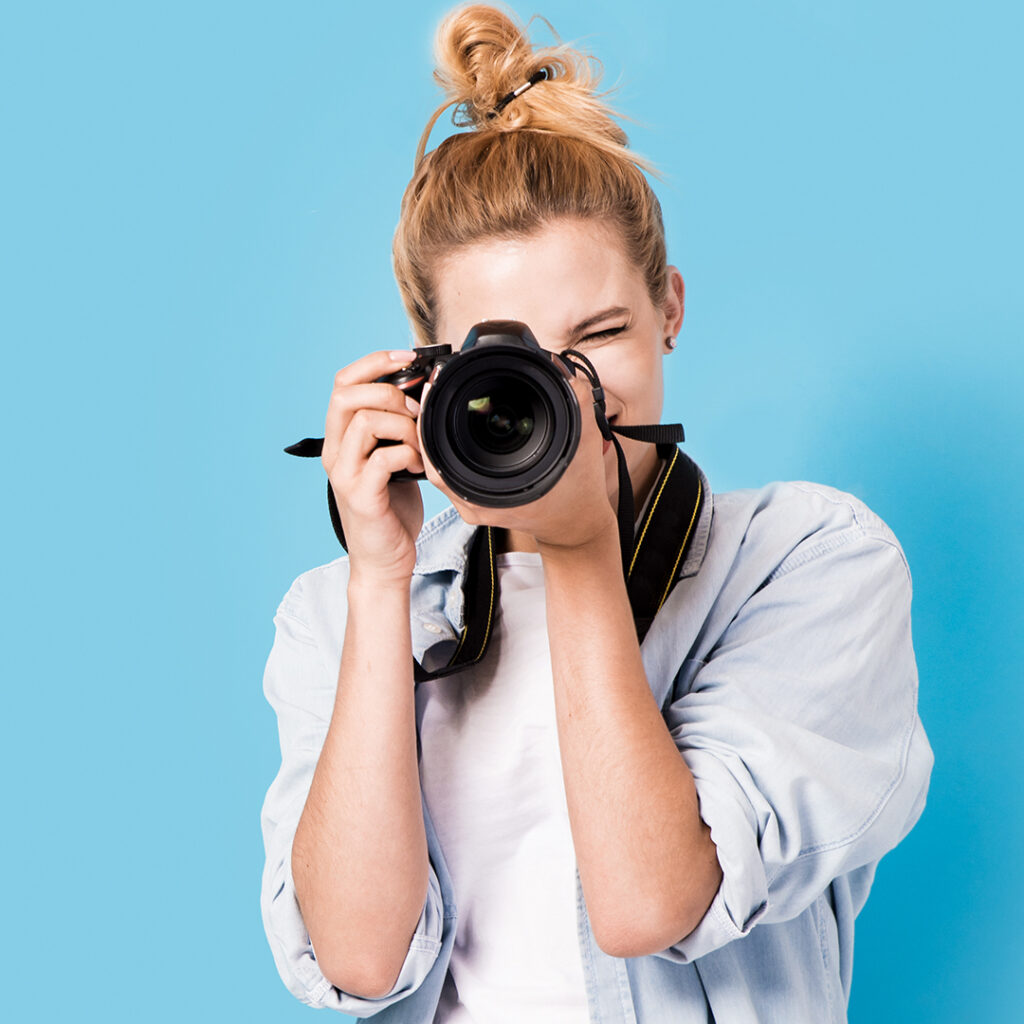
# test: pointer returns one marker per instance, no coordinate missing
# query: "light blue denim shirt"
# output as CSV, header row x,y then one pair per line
x,y
783,663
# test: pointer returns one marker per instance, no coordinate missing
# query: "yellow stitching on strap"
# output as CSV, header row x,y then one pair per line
x,y
490,610
490,605
650,512
689,529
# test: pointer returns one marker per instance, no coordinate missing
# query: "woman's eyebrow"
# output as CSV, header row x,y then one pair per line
x,y
605,314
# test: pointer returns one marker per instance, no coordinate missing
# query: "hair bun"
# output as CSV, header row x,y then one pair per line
x,y
483,55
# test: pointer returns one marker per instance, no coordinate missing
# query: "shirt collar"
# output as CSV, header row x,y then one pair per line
x,y
702,531
443,544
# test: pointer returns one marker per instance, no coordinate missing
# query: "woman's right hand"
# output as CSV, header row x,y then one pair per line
x,y
381,519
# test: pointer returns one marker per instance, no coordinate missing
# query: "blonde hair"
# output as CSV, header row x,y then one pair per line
x,y
554,151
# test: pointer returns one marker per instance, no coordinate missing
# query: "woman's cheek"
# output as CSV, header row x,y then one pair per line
x,y
624,367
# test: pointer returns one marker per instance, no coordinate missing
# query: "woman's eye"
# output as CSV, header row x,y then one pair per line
x,y
604,335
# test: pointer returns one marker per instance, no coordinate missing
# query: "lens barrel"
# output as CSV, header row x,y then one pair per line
x,y
501,422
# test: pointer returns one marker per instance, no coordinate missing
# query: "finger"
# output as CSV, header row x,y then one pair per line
x,y
347,399
362,371
372,366
382,462
365,487
367,428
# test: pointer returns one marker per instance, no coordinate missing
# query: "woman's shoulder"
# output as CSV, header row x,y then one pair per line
x,y
312,588
802,502
786,522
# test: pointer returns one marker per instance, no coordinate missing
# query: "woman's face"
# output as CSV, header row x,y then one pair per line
x,y
571,284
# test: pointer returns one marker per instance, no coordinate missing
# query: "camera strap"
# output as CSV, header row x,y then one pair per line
x,y
656,550
311,448
657,433
652,550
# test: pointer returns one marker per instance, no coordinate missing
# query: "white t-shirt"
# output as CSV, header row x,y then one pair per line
x,y
492,779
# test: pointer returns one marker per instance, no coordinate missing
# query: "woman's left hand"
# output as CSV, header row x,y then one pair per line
x,y
576,512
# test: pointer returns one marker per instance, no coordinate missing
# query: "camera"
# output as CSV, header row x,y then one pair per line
x,y
501,421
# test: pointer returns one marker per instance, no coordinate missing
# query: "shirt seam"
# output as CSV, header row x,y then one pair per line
x,y
850,535
730,926
799,558
869,530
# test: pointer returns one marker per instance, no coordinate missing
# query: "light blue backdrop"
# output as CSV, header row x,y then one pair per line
x,y
198,200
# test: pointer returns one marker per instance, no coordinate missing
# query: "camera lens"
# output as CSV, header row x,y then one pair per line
x,y
501,424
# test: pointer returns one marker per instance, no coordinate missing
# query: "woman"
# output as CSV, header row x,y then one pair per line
x,y
591,819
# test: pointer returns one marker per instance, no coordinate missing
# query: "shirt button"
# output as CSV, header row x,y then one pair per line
x,y
431,627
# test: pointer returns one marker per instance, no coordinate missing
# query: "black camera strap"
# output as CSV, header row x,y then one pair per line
x,y
654,556
311,448
652,550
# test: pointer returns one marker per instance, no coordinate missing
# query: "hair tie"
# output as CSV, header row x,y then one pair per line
x,y
536,77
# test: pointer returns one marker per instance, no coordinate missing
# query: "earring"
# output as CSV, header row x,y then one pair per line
x,y
670,343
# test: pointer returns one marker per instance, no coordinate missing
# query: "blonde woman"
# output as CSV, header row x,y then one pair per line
x,y
510,790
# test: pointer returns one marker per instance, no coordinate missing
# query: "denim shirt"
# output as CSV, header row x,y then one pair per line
x,y
783,664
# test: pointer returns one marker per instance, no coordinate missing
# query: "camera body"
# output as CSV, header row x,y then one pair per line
x,y
501,421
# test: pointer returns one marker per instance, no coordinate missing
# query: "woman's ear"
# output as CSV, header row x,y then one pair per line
x,y
675,302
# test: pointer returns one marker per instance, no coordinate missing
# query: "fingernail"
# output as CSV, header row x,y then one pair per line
x,y
402,355
412,405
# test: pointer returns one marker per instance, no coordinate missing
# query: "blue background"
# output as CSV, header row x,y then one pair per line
x,y
197,207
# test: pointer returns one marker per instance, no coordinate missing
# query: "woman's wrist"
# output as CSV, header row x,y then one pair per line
x,y
599,548
365,585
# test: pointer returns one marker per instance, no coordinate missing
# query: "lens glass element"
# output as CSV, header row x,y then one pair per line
x,y
499,424
502,420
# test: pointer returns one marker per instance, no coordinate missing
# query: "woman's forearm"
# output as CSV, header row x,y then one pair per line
x,y
647,864
359,859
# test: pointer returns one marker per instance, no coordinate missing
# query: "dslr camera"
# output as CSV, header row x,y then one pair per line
x,y
501,421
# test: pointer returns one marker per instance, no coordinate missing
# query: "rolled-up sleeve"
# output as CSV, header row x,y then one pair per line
x,y
801,730
300,687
